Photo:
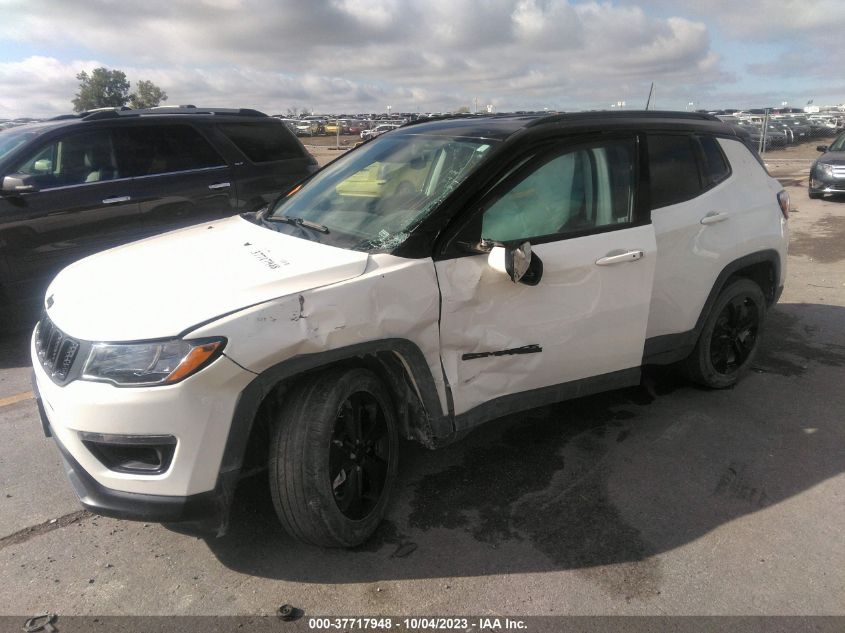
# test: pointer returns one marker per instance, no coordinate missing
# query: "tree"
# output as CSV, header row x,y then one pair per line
x,y
148,95
103,88
462,110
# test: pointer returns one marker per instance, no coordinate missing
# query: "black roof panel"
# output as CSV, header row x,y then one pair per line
x,y
500,127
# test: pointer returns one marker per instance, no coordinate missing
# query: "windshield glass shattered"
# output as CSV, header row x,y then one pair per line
x,y
373,198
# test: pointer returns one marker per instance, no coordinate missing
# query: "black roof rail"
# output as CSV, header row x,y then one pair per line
x,y
192,109
92,114
112,113
623,114
96,115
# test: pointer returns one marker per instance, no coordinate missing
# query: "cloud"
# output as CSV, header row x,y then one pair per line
x,y
767,20
358,55
39,85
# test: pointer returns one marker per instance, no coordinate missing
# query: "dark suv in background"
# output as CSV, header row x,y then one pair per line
x,y
78,184
827,174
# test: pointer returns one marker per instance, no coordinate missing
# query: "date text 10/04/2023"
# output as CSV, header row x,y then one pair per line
x,y
385,623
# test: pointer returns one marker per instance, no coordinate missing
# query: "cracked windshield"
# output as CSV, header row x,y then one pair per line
x,y
371,199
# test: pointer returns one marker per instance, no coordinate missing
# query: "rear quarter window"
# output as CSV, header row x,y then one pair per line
x,y
716,167
262,142
673,169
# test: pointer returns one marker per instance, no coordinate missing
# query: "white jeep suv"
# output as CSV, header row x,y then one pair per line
x,y
441,275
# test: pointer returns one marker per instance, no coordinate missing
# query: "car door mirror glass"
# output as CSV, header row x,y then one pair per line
x,y
19,183
513,261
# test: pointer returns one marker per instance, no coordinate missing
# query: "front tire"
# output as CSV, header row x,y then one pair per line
x,y
730,337
333,458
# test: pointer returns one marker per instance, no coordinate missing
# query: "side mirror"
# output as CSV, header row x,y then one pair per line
x,y
821,148
19,183
516,262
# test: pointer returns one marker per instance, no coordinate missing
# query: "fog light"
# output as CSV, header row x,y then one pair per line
x,y
137,454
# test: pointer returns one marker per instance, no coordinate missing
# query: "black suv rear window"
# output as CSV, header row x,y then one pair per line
x,y
165,149
262,142
674,170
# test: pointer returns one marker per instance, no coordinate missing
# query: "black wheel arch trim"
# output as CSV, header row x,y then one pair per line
x,y
670,348
253,395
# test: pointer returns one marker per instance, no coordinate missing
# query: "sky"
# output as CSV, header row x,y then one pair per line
x,y
428,55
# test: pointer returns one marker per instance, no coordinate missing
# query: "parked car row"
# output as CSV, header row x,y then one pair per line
x,y
331,126
782,130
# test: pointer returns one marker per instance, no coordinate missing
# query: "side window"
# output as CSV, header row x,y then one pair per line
x,y
73,160
716,167
673,169
578,191
165,149
262,142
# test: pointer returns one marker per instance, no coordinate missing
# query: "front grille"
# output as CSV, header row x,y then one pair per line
x,y
56,352
839,171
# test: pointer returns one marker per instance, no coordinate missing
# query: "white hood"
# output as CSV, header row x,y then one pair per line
x,y
161,286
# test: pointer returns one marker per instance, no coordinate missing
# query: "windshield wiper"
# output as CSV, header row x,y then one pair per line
x,y
297,222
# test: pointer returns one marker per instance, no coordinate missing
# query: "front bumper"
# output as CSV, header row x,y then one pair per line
x,y
205,512
832,188
197,412
822,184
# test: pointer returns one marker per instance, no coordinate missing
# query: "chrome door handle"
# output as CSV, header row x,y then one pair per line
x,y
713,217
621,258
220,185
117,199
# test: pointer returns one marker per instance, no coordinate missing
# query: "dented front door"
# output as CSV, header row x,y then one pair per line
x,y
586,318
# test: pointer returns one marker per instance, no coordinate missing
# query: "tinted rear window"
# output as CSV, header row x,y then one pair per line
x,y
716,168
164,149
674,170
262,142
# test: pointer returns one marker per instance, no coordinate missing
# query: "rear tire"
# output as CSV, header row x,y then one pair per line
x,y
730,337
333,458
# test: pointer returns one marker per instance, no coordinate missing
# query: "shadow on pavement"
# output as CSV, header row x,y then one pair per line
x,y
600,484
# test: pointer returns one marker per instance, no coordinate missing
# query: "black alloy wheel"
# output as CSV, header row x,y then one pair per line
x,y
729,337
734,335
334,456
359,455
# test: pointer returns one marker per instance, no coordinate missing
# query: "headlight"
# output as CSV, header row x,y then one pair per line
x,y
147,364
824,169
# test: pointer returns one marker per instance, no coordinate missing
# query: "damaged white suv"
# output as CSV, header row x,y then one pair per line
x,y
441,275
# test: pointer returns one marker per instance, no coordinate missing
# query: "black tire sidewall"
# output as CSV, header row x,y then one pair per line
x,y
313,411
